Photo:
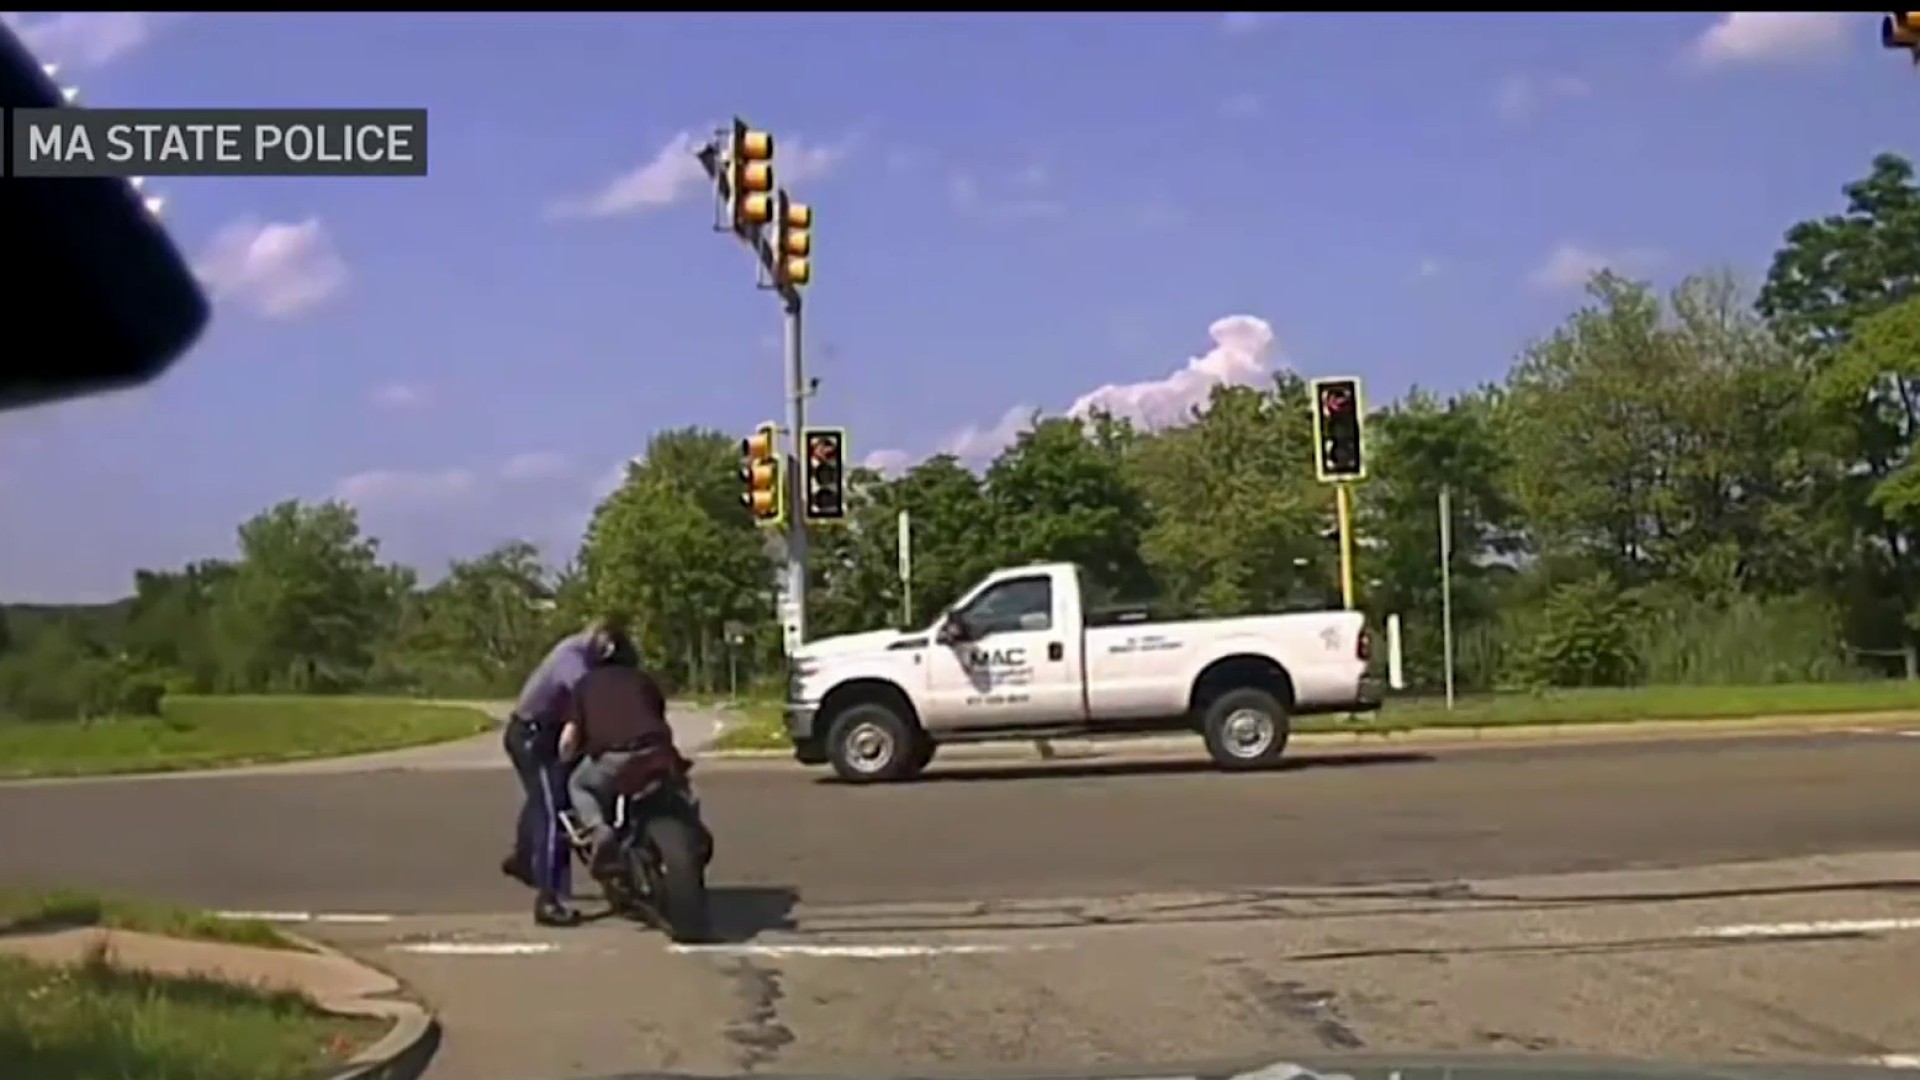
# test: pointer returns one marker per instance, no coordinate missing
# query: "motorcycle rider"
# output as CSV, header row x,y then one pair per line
x,y
532,738
618,710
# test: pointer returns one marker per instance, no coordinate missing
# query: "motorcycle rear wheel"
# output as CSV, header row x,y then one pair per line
x,y
670,864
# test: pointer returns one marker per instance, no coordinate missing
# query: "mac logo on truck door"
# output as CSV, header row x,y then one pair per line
x,y
997,658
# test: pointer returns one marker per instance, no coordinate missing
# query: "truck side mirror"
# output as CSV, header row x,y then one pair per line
x,y
953,629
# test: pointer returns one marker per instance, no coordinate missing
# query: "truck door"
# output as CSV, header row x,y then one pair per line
x,y
1020,664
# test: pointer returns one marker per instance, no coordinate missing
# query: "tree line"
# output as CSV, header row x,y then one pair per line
x,y
1701,486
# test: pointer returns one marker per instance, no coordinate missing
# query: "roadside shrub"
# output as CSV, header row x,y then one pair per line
x,y
33,688
1584,637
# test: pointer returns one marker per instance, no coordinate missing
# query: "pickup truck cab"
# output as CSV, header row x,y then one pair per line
x,y
1019,657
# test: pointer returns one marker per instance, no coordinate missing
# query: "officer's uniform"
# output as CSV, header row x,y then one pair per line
x,y
532,740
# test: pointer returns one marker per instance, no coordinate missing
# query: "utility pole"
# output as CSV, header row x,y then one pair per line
x,y
903,540
810,476
1446,587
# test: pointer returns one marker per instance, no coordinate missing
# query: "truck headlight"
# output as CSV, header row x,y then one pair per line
x,y
798,672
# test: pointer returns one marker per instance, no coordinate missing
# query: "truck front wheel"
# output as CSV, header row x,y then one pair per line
x,y
871,743
1246,728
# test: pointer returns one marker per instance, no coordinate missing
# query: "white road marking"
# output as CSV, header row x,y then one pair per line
x,y
343,917
1891,1061
850,952
477,948
1809,929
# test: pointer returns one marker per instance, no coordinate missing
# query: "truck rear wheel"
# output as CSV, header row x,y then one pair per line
x,y
1246,728
870,743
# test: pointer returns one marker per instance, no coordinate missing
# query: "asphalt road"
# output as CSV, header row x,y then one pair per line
x,y
429,841
1538,898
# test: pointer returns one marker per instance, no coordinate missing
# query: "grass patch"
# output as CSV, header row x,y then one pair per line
x,y
1603,706
24,911
97,1021
753,725
756,725
207,732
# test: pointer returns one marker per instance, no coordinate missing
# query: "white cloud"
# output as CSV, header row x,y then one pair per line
x,y
1237,23
614,478
85,40
1242,106
1020,197
1766,37
1569,266
1241,356
399,395
797,162
1431,268
277,269
975,444
537,465
890,462
1522,97
673,175
377,487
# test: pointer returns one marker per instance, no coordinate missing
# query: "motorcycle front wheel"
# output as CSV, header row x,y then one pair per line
x,y
669,857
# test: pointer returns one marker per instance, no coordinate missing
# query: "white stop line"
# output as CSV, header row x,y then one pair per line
x,y
852,952
1809,929
342,917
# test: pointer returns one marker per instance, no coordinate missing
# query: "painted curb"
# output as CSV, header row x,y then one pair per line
x,y
1082,749
410,1043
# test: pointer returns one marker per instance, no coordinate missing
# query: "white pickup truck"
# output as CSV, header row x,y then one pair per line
x,y
1018,657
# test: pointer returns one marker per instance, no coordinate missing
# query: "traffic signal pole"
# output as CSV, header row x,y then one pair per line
x,y
1343,513
795,615
755,210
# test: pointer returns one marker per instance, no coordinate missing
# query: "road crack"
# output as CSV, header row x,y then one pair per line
x,y
758,1034
1318,1010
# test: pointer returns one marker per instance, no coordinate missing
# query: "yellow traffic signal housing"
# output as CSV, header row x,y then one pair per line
x,y
792,241
765,495
823,475
1901,30
1338,439
749,177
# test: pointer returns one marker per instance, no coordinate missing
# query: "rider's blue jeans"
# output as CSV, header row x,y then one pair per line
x,y
590,784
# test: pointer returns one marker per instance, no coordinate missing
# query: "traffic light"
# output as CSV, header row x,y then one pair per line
x,y
1901,30
824,470
749,188
792,241
1337,420
765,496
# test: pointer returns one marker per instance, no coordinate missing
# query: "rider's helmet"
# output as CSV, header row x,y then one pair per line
x,y
607,638
621,651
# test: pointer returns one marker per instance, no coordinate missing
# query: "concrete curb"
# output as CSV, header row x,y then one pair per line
x,y
1487,735
331,980
411,1041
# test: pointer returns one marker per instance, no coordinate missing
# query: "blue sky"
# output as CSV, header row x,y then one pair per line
x,y
1012,211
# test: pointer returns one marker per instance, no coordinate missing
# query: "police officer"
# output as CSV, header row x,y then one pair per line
x,y
540,855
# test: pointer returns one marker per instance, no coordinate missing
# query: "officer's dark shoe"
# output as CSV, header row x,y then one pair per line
x,y
516,868
552,911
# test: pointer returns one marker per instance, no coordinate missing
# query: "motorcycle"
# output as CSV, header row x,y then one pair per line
x,y
657,871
